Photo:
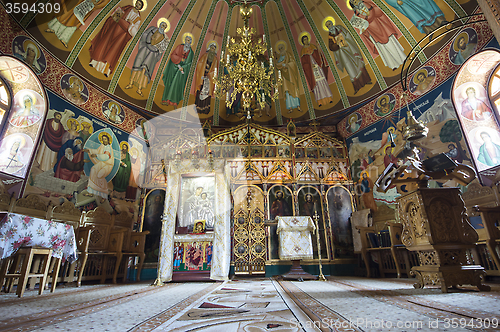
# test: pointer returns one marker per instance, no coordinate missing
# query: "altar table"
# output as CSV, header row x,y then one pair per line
x,y
17,231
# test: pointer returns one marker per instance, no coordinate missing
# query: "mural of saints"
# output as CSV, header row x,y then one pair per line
x,y
346,53
381,34
51,143
119,28
26,50
122,177
152,45
385,104
177,70
424,14
204,78
102,161
69,19
286,64
74,89
464,46
86,128
422,80
316,69
474,108
69,165
25,109
15,150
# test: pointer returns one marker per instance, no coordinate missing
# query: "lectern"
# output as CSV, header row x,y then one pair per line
x,y
435,224
436,227
295,243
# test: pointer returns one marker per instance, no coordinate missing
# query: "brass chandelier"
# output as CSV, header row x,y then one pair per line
x,y
247,74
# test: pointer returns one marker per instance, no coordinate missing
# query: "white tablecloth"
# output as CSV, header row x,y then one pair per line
x,y
22,231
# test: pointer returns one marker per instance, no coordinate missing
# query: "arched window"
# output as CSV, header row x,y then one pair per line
x,y
494,88
5,101
23,106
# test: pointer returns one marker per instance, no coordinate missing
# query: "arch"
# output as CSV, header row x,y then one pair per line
x,y
25,114
339,215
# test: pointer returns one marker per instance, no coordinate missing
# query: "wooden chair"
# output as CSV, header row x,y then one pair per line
x,y
133,242
403,258
485,197
67,213
22,266
491,220
105,243
391,254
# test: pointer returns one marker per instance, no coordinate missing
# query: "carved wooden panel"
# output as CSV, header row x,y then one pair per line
x,y
249,249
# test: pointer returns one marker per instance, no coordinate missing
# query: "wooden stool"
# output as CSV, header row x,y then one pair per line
x,y
20,266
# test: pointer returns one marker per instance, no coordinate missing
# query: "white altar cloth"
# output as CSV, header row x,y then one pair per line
x,y
295,237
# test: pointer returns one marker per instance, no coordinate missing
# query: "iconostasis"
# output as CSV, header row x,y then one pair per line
x,y
270,173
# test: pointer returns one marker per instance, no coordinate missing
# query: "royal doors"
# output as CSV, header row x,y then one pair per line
x,y
249,238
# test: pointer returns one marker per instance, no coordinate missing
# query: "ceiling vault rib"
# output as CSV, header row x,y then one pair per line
x,y
166,55
277,106
406,33
187,88
326,52
296,56
70,61
220,70
459,11
30,15
125,57
357,38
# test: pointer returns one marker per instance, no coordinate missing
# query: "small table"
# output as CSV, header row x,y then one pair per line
x,y
18,230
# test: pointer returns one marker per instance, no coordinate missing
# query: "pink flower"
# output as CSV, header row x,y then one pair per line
x,y
68,227
27,219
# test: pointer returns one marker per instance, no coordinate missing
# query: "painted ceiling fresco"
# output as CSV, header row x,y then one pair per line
x,y
161,56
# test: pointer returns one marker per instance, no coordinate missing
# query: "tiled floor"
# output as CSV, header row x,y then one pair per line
x,y
254,305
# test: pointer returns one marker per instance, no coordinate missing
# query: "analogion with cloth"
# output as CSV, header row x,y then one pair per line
x,y
295,237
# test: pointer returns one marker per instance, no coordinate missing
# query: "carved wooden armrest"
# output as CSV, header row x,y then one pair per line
x,y
479,208
83,238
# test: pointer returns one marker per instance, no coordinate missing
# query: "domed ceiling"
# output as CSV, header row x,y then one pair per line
x,y
332,57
